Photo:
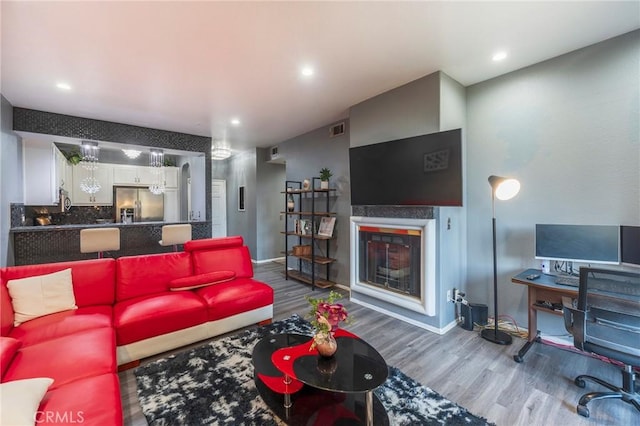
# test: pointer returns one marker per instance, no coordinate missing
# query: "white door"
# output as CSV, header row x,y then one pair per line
x,y
218,208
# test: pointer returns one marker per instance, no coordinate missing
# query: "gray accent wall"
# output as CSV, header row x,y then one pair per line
x,y
305,155
430,104
10,171
270,181
409,110
241,170
568,129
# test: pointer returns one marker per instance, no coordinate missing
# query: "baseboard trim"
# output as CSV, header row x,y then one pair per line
x,y
422,325
260,262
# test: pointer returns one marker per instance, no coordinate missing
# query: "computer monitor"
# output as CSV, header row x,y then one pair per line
x,y
578,243
630,245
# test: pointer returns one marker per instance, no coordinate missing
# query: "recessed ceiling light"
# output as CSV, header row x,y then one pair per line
x,y
235,121
307,71
499,56
63,86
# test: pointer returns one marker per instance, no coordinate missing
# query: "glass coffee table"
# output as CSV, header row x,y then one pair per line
x,y
302,388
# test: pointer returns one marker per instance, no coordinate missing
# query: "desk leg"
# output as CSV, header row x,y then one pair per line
x,y
525,348
533,325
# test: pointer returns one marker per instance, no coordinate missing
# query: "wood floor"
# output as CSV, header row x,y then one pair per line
x,y
476,374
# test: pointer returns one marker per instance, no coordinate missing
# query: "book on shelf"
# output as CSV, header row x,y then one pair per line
x,y
326,226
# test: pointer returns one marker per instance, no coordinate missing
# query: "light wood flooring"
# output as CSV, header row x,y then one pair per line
x,y
460,365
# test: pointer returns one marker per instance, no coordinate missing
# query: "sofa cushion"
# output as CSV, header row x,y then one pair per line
x,y
66,359
150,274
63,323
8,349
90,401
6,309
234,297
93,280
202,280
40,295
148,316
236,259
20,400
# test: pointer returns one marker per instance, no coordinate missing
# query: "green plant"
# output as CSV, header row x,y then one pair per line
x,y
325,174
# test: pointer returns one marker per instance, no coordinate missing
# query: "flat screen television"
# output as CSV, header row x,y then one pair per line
x,y
422,170
630,245
578,243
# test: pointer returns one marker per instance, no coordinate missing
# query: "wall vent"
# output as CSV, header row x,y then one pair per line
x,y
273,153
336,130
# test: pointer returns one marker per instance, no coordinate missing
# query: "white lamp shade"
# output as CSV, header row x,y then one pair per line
x,y
504,188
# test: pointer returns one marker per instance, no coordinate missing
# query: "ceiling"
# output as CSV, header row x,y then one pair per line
x,y
193,66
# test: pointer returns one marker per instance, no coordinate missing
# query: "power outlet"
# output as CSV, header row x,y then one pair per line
x,y
457,295
449,299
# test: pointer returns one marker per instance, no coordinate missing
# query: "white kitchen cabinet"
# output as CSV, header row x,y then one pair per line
x,y
39,173
171,205
104,175
132,175
63,171
171,177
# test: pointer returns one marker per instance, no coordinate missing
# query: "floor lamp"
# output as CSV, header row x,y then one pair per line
x,y
502,189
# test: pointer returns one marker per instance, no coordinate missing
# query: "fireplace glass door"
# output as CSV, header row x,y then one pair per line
x,y
390,259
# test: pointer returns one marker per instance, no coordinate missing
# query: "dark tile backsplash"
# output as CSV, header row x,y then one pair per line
x,y
77,215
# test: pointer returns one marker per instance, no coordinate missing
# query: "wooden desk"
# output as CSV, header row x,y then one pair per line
x,y
542,288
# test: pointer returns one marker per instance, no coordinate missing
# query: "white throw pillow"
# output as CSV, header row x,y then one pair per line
x,y
20,399
34,297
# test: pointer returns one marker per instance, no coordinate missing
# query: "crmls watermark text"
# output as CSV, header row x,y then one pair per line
x,y
63,417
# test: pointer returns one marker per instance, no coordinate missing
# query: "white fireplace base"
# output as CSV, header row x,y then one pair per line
x,y
427,304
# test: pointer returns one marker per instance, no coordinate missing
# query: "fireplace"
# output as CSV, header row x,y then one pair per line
x,y
393,260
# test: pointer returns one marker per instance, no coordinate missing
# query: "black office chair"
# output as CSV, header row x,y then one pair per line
x,y
605,320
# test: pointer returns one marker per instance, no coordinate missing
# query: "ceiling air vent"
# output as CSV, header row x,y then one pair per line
x,y
336,130
273,154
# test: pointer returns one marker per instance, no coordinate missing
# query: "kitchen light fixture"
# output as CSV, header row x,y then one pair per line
x,y
502,189
235,121
63,86
156,162
307,71
132,153
220,152
90,152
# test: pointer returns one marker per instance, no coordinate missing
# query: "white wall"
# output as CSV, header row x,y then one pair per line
x,y
568,129
10,171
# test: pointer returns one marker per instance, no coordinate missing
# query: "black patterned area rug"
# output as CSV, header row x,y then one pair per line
x,y
214,385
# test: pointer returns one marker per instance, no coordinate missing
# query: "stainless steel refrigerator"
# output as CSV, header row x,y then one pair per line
x,y
135,204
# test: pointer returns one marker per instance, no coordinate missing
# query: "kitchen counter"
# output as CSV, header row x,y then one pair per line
x,y
59,243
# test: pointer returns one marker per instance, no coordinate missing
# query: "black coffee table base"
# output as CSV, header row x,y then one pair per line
x,y
328,408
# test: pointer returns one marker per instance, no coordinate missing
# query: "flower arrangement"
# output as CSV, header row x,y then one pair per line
x,y
326,314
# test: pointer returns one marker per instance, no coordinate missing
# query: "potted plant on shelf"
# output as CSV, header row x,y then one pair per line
x,y
325,175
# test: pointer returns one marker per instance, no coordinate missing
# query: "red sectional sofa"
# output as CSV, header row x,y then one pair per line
x,y
127,309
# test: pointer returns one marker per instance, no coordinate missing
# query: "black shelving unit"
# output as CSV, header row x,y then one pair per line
x,y
319,265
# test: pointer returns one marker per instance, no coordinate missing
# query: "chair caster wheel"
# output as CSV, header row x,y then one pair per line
x,y
581,384
518,358
582,410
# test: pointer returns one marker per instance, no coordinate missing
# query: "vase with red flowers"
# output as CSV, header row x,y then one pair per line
x,y
325,315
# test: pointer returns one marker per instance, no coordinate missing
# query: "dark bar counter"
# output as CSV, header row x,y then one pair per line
x,y
59,243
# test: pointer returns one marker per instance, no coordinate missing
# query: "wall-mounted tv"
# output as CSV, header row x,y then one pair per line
x,y
422,170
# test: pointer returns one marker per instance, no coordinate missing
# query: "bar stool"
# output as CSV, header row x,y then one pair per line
x,y
172,235
99,240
